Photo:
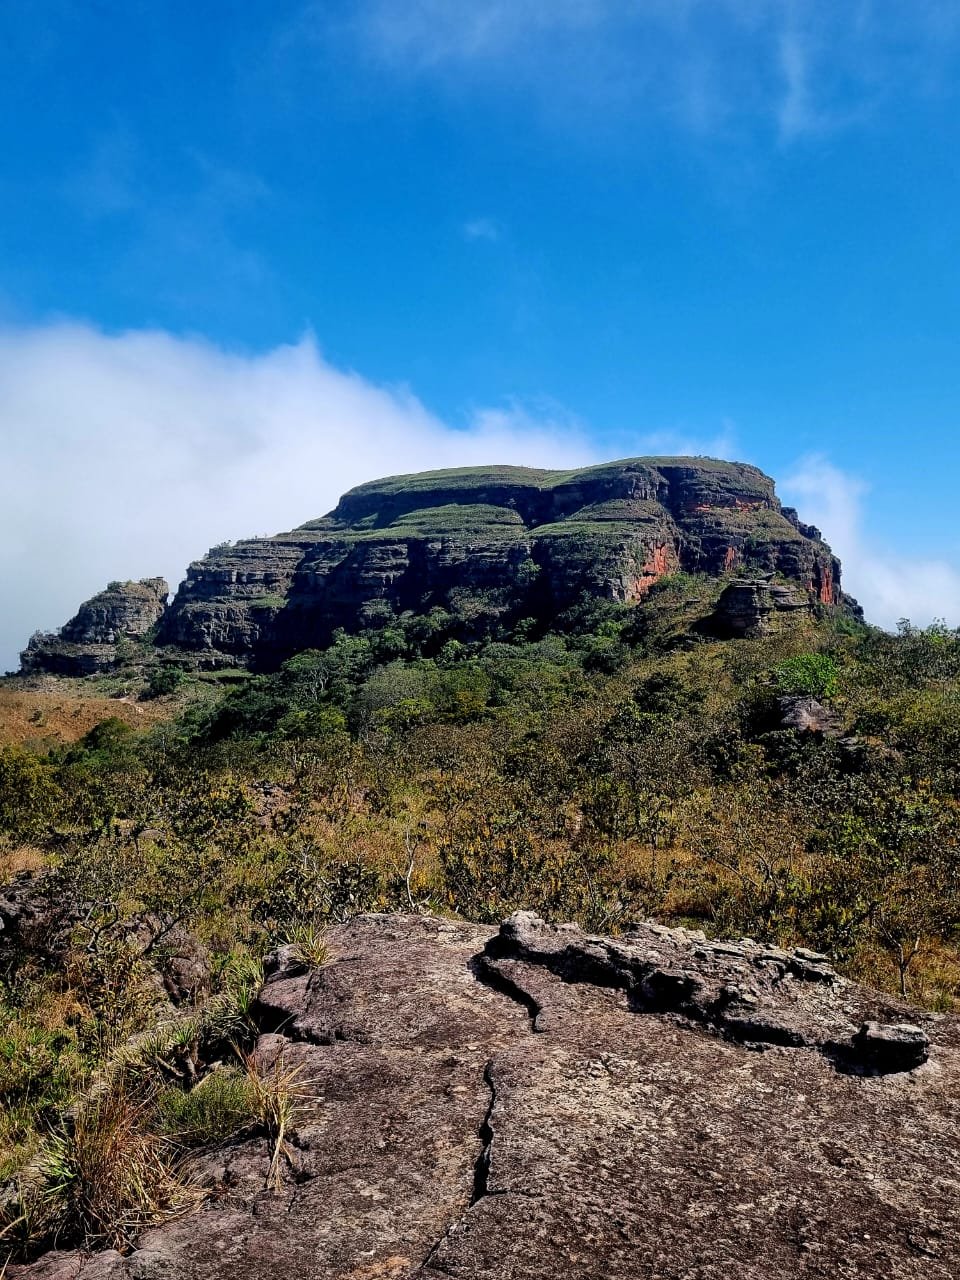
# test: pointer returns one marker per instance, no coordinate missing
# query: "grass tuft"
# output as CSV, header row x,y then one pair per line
x,y
105,1176
282,1098
215,1109
310,943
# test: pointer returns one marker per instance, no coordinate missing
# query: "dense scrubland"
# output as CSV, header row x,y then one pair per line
x,y
802,788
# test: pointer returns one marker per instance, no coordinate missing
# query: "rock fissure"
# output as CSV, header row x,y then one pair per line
x,y
493,975
744,992
481,1173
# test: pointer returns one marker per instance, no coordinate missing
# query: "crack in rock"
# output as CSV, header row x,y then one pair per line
x,y
481,1173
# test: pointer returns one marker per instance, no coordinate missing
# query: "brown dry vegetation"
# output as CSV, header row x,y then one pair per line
x,y
62,712
603,775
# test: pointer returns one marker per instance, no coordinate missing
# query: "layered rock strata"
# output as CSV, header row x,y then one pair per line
x,y
485,545
87,644
536,1102
485,542
756,607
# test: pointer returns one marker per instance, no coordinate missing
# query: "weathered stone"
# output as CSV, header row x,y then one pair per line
x,y
87,644
510,1104
899,1047
483,542
34,918
807,715
757,607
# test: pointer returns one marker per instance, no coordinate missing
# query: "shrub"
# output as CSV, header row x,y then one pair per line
x,y
102,1178
814,675
164,680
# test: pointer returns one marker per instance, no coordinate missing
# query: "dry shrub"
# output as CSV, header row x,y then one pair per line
x,y
102,1179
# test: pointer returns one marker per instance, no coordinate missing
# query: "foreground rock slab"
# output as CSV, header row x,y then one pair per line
x,y
534,1102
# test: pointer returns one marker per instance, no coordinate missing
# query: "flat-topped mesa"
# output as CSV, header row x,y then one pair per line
x,y
489,543
87,644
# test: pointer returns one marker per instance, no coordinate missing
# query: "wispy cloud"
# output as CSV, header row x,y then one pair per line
x,y
889,584
796,113
482,229
179,215
799,67
680,441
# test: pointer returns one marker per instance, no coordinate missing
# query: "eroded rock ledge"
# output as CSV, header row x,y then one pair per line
x,y
536,1102
754,994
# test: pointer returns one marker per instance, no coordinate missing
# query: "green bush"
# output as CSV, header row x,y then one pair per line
x,y
164,680
813,675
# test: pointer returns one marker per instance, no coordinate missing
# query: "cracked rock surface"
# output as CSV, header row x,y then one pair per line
x,y
536,1102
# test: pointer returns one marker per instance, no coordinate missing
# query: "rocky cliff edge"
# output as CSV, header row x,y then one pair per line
x,y
488,545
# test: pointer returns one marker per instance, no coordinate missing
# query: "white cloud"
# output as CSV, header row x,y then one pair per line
x,y
796,114
129,455
482,229
889,585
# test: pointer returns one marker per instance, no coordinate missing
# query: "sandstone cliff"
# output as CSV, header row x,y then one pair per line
x,y
484,542
88,642
496,543
534,1102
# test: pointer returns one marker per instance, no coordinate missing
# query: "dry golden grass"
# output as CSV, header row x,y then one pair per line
x,y
281,1098
41,717
22,857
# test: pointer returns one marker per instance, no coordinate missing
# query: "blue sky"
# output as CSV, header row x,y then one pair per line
x,y
253,253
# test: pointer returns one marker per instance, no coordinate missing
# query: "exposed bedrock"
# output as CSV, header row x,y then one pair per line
x,y
537,1102
87,644
483,542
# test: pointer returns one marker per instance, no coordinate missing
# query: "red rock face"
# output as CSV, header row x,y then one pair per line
x,y
822,585
730,560
660,561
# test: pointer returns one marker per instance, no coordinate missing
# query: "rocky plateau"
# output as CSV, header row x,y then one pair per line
x,y
535,1102
484,544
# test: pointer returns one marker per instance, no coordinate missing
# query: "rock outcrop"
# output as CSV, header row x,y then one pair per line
x,y
756,607
484,544
87,644
487,542
535,1102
